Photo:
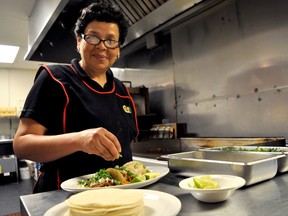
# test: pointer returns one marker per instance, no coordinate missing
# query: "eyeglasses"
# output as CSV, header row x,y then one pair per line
x,y
95,41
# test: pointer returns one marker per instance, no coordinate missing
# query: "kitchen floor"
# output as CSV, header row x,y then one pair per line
x,y
10,192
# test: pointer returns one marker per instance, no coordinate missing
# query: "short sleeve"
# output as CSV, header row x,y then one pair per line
x,y
45,103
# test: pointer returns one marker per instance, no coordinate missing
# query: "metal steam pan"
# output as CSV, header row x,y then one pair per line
x,y
274,150
209,142
253,167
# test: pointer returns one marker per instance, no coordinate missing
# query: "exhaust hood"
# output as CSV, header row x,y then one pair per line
x,y
51,24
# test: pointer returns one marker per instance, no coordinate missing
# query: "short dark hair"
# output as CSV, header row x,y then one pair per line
x,y
102,11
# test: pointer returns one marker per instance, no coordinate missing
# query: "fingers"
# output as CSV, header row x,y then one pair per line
x,y
101,142
108,148
113,140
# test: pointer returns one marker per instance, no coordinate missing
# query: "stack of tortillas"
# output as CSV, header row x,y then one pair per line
x,y
106,202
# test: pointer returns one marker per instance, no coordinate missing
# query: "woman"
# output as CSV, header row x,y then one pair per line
x,y
78,118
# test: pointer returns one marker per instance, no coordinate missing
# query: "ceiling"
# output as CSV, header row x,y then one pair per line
x,y
137,9
58,33
14,25
144,16
14,18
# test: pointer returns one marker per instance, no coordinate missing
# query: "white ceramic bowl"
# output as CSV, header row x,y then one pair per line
x,y
227,185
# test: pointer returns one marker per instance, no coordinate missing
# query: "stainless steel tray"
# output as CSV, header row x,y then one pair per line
x,y
274,150
209,142
253,167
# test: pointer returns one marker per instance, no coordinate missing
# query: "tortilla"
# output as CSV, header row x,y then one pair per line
x,y
116,175
106,202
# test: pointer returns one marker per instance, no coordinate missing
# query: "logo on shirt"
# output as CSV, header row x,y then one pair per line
x,y
127,109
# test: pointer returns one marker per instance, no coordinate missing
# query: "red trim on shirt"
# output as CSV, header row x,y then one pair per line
x,y
66,94
134,107
58,180
88,86
129,97
64,116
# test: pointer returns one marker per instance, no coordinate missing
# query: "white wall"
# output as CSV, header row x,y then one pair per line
x,y
14,87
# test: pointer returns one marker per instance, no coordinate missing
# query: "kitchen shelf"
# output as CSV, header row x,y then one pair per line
x,y
8,112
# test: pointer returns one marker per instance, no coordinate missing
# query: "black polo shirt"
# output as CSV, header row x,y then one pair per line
x,y
64,99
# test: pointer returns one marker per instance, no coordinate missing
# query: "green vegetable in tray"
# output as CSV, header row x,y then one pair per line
x,y
257,149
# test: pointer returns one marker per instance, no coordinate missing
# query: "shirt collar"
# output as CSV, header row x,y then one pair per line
x,y
109,74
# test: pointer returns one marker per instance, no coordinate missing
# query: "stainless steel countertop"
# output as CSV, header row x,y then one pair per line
x,y
265,198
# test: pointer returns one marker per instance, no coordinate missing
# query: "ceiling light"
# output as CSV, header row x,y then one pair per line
x,y
8,53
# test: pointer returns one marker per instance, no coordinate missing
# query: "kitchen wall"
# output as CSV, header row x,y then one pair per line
x,y
14,87
224,72
152,68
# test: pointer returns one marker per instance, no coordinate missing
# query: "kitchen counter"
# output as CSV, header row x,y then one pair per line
x,y
265,198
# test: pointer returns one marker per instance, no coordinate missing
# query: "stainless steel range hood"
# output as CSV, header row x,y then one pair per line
x,y
51,24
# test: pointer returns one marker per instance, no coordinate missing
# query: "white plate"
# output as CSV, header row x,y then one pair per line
x,y
156,203
72,184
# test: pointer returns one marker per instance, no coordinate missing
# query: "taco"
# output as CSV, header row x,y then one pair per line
x,y
116,174
131,172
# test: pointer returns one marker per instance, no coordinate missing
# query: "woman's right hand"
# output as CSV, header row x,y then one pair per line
x,y
101,142
30,142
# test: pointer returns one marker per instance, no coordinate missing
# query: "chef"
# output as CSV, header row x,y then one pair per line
x,y
78,118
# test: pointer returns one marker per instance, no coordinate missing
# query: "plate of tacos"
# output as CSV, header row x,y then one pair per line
x,y
132,175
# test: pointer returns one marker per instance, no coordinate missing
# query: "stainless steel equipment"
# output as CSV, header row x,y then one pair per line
x,y
158,148
282,162
8,161
210,142
252,167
